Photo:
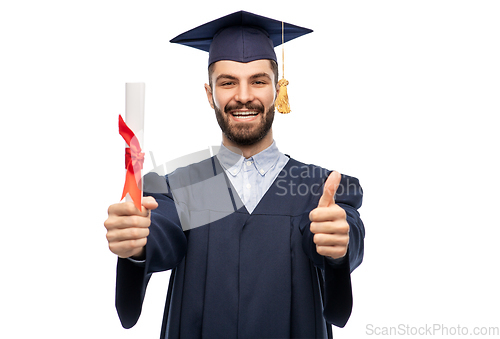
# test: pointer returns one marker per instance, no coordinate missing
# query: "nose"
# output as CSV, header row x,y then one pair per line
x,y
244,94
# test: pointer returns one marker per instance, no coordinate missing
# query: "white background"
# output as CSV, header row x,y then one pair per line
x,y
403,95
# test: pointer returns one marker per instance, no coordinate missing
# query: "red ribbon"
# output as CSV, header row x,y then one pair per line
x,y
134,159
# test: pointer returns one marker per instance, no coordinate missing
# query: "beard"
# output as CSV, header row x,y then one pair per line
x,y
242,133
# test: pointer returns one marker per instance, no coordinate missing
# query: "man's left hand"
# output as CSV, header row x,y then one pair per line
x,y
328,222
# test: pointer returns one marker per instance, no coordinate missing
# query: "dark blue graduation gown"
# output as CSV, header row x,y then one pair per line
x,y
248,275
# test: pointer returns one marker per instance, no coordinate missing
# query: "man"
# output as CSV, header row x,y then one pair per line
x,y
260,245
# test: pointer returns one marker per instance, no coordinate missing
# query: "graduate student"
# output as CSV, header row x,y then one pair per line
x,y
260,245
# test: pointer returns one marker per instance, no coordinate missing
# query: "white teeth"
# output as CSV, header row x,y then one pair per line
x,y
243,114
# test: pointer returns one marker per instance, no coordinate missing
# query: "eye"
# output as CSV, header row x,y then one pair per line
x,y
260,82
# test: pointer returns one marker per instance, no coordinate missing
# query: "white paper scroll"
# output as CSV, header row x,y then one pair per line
x,y
134,113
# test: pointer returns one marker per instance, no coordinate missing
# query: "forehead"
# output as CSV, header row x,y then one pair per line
x,y
242,69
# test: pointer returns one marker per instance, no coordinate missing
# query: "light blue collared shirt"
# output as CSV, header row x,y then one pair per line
x,y
252,177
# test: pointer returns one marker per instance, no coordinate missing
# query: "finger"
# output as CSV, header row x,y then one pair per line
x,y
131,221
331,239
126,208
125,249
333,252
331,186
118,235
330,227
331,213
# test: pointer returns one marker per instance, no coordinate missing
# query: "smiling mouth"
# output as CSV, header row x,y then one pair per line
x,y
244,115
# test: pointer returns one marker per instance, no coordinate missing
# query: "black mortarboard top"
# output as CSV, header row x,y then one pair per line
x,y
241,36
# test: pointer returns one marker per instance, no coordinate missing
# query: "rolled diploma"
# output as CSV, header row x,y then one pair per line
x,y
134,114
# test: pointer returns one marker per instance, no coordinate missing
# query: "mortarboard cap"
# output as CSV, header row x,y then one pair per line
x,y
241,36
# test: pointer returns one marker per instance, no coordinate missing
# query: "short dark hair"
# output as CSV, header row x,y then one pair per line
x,y
274,67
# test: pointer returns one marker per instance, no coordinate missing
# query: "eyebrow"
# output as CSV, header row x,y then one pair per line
x,y
260,75
232,77
226,76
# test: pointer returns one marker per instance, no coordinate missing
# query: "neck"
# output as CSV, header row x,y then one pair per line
x,y
249,150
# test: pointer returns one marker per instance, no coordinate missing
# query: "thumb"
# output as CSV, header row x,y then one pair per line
x,y
149,203
331,186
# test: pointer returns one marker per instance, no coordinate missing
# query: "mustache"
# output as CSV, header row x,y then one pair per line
x,y
249,106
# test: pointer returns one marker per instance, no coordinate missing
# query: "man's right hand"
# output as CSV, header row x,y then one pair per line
x,y
128,228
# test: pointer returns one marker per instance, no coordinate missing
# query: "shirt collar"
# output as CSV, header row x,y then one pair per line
x,y
264,161
231,161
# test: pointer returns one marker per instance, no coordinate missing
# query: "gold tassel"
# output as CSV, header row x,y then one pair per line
x,y
282,104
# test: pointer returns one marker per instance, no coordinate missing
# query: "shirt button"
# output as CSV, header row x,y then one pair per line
x,y
249,186
249,163
261,171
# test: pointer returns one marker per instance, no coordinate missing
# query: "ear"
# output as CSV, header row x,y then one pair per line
x,y
210,96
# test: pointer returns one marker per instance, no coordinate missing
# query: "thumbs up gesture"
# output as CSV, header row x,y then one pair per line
x,y
328,222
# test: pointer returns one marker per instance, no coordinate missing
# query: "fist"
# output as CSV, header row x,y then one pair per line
x,y
328,222
128,228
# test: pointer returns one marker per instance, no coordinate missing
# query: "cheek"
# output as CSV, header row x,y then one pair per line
x,y
219,100
270,98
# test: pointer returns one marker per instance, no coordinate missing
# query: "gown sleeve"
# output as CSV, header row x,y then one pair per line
x,y
165,249
336,284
